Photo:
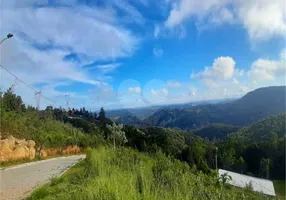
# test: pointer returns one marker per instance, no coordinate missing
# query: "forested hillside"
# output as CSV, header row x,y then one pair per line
x,y
253,106
216,131
258,150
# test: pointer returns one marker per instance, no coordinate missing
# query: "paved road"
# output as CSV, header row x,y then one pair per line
x,y
18,181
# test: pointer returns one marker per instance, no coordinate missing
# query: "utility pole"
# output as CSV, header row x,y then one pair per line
x,y
67,100
14,85
38,98
216,158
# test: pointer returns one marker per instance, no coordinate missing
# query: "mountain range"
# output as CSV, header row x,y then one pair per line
x,y
253,106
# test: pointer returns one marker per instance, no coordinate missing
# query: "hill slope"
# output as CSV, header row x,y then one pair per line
x,y
263,130
255,105
216,131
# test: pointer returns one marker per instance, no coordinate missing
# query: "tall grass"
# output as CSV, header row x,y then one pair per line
x,y
124,174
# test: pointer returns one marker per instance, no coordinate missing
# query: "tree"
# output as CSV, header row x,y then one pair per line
x,y
273,138
264,167
94,115
101,115
116,134
11,102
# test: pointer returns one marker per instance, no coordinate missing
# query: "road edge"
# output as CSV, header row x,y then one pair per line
x,y
35,162
25,196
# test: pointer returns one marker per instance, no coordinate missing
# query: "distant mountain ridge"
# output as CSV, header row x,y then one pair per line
x,y
120,115
255,105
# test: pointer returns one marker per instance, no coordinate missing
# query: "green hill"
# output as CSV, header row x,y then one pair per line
x,y
254,106
216,131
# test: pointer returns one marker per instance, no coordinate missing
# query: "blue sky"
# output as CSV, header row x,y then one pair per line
x,y
121,54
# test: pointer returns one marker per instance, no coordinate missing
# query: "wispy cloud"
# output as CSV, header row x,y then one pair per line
x,y
47,49
253,15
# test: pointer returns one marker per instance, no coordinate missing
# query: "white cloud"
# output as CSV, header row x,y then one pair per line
x,y
223,15
42,41
158,52
78,37
131,11
264,70
107,68
184,9
209,83
136,90
173,84
221,73
223,67
262,19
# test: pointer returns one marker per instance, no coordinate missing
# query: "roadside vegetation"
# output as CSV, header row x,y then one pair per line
x,y
26,122
127,174
146,162
280,188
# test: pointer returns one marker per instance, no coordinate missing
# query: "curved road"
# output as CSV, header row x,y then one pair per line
x,y
17,182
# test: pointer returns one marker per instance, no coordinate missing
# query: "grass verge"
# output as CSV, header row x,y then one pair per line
x,y
279,186
124,174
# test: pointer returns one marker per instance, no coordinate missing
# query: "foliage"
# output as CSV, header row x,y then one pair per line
x,y
243,151
280,188
224,178
127,174
116,134
258,149
216,131
40,126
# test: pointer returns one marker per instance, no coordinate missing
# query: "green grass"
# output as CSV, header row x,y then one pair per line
x,y
279,186
126,174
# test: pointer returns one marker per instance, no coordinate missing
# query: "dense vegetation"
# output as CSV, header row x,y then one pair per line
x,y
216,131
127,174
44,127
257,150
260,149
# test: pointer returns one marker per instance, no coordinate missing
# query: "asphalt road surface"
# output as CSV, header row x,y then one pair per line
x,y
17,182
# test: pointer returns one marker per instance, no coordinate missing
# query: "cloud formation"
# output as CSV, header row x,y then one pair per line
x,y
262,19
265,70
48,50
222,68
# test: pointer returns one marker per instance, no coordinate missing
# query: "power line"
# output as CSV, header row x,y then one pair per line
x,y
36,92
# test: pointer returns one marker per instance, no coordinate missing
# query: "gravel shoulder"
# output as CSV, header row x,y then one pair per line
x,y
18,181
